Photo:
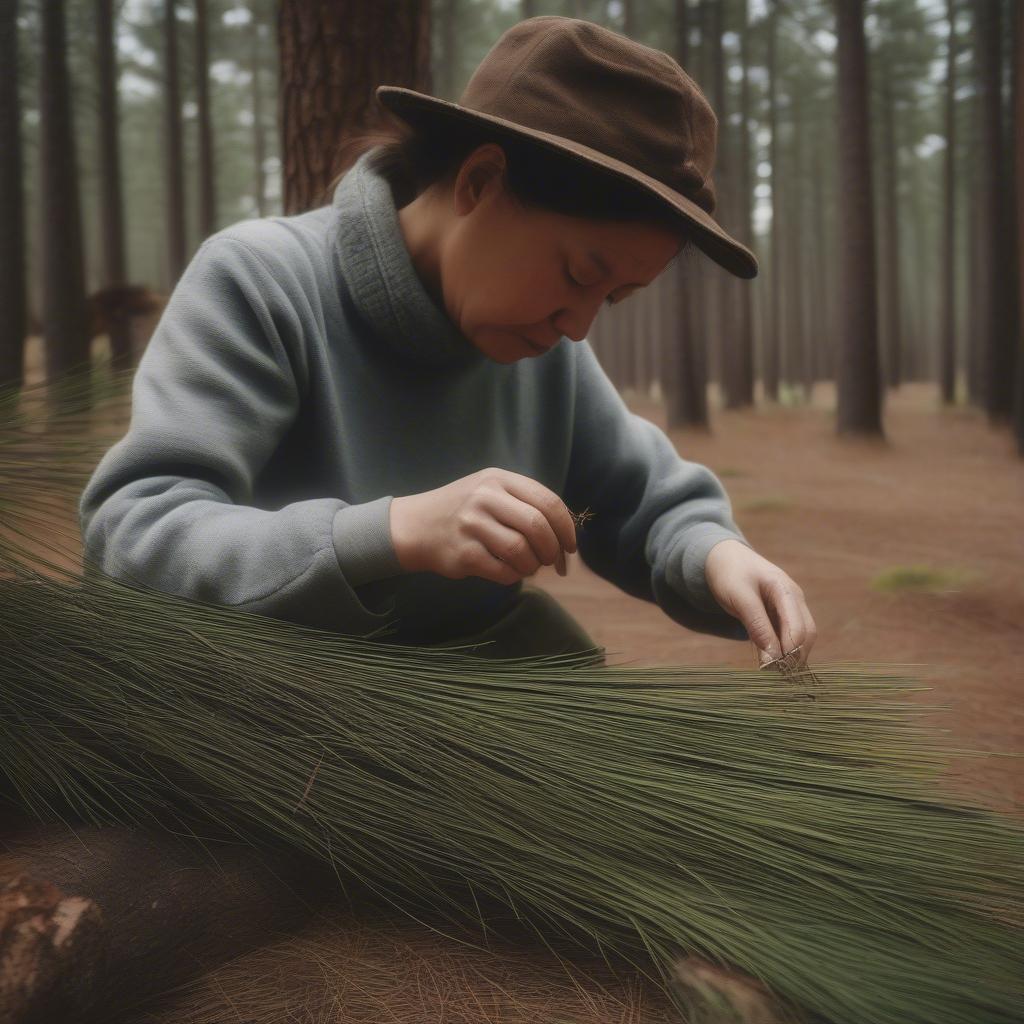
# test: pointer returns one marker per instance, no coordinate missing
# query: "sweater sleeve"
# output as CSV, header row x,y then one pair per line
x,y
170,505
656,515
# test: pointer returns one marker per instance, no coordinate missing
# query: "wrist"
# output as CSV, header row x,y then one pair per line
x,y
401,523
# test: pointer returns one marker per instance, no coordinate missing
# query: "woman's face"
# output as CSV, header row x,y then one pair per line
x,y
511,276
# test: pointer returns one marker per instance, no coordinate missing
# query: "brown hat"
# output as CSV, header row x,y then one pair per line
x,y
596,95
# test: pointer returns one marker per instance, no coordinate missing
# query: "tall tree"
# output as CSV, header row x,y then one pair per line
x,y
800,364
947,351
528,9
111,198
446,75
1018,135
207,181
259,139
996,335
892,293
173,150
722,284
772,333
744,392
629,18
859,391
684,356
333,55
65,320
14,318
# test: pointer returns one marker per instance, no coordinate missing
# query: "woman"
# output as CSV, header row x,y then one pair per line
x,y
376,416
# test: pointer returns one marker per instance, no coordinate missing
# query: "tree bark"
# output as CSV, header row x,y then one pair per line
x,y
947,355
892,293
859,391
111,196
770,362
629,18
64,316
722,283
14,321
796,229
445,78
173,153
997,339
1018,110
744,181
207,180
333,56
259,143
683,370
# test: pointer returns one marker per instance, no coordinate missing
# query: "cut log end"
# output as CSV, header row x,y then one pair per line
x,y
720,995
51,944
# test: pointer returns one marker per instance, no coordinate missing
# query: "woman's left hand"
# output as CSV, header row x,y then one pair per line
x,y
764,598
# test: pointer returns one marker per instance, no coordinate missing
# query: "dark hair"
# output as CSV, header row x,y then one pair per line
x,y
413,158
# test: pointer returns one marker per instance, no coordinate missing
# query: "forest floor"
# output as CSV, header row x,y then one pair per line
x,y
910,552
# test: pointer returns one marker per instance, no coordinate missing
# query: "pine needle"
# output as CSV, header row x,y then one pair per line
x,y
650,812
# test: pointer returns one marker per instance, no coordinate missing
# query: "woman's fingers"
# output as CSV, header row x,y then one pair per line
x,y
784,610
510,546
750,609
794,625
534,496
810,630
529,522
489,567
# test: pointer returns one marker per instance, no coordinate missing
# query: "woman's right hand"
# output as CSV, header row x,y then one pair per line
x,y
496,524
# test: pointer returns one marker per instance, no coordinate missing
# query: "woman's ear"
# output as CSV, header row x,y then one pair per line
x,y
481,177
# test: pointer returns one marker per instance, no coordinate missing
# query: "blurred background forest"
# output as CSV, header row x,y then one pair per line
x,y
869,152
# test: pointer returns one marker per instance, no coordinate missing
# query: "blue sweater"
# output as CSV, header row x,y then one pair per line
x,y
301,376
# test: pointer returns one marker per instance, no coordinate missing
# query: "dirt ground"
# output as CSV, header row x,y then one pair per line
x,y
944,490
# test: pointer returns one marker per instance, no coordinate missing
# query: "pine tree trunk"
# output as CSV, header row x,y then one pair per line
x,y
730,370
173,152
744,347
111,197
64,315
772,333
997,363
978,298
14,320
798,271
629,18
947,359
683,372
1018,122
207,182
859,392
445,76
822,328
892,292
333,56
259,142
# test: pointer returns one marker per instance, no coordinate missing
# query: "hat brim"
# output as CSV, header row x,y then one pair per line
x,y
708,236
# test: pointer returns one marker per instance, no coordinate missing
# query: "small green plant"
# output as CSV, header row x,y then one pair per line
x,y
921,578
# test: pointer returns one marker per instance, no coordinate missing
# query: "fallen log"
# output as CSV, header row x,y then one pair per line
x,y
94,920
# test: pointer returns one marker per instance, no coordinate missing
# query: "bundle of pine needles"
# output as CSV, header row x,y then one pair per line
x,y
643,812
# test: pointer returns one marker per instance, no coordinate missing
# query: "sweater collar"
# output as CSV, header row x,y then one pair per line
x,y
375,264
